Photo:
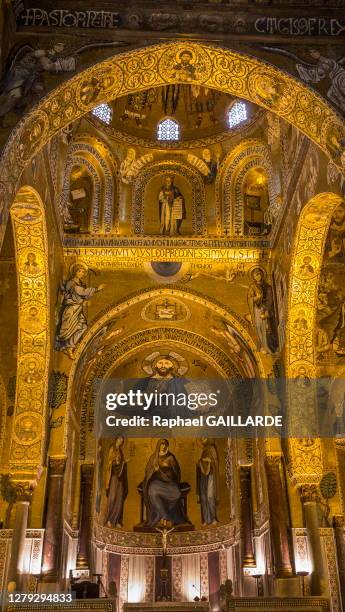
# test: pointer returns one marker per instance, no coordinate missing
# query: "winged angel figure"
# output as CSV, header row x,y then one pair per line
x,y
322,68
22,82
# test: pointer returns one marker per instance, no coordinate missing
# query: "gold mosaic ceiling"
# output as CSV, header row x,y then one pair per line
x,y
200,111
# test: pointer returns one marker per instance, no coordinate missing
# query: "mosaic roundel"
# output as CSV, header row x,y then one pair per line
x,y
269,90
167,309
188,65
27,428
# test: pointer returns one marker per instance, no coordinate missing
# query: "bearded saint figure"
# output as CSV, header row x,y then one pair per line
x,y
172,209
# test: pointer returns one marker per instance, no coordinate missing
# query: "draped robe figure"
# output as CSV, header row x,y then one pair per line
x,y
207,482
261,307
325,69
99,476
117,487
162,495
164,379
72,321
338,339
171,208
24,76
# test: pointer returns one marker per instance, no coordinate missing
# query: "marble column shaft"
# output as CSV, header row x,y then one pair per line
x,y
53,520
310,498
339,534
248,558
279,518
85,515
15,572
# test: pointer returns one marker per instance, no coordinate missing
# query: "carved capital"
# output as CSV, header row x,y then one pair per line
x,y
273,461
339,522
309,493
57,466
16,491
24,491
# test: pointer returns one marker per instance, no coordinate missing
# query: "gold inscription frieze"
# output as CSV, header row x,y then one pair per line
x,y
110,257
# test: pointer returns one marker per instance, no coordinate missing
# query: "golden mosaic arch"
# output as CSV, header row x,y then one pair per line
x,y
163,64
118,309
188,295
310,237
229,183
31,247
95,155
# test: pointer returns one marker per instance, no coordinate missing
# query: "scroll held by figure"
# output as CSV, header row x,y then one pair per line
x,y
72,322
117,484
207,482
207,164
172,208
131,165
161,488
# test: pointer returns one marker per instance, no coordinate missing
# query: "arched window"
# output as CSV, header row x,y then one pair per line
x,y
168,129
104,112
237,114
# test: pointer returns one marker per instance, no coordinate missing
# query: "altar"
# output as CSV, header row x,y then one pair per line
x,y
168,606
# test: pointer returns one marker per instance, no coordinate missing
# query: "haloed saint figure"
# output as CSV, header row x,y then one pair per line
x,y
207,482
166,377
162,494
117,484
172,209
72,322
261,308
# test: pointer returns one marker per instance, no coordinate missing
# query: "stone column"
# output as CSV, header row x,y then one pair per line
x,y
53,520
339,534
15,572
310,499
279,517
85,515
248,558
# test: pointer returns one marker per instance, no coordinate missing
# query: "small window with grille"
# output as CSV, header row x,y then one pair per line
x,y
168,129
237,114
104,112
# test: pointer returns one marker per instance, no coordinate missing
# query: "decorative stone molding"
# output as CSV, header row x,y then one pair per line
x,y
129,542
97,605
330,551
277,604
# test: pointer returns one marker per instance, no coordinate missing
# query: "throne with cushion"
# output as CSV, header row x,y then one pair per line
x,y
142,525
